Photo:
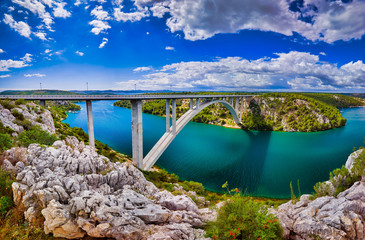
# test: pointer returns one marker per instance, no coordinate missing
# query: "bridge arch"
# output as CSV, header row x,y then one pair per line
x,y
154,154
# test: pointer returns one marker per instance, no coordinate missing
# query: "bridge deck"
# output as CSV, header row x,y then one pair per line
x,y
113,97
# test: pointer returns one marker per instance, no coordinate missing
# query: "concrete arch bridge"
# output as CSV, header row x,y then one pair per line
x,y
236,104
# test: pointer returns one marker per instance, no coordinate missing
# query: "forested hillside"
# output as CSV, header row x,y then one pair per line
x,y
298,112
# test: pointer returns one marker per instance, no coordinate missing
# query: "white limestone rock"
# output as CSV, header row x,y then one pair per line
x,y
350,160
81,193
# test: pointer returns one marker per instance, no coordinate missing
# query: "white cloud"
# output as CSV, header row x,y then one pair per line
x,y
11,8
21,27
6,64
37,8
27,57
34,75
141,69
322,53
202,19
5,76
293,70
169,48
59,11
1,51
41,35
99,1
102,44
79,53
99,26
47,51
44,8
130,16
99,13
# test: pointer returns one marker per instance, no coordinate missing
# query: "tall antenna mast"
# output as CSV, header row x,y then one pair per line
x,y
40,84
87,86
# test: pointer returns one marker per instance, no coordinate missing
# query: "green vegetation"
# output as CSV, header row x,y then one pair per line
x,y
36,135
304,112
214,114
291,112
244,218
162,179
5,142
5,193
336,100
8,104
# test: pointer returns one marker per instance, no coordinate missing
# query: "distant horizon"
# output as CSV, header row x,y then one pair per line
x,y
157,91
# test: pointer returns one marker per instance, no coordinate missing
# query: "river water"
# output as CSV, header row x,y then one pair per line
x,y
258,163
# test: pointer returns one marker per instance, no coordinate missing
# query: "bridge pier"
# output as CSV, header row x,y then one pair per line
x,y
236,104
43,103
242,104
197,103
167,115
90,123
191,104
174,116
137,133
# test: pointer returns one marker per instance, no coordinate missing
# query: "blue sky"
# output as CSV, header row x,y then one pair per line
x,y
230,45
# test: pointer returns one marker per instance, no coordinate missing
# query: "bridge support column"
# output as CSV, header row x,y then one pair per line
x,y
197,103
241,111
191,104
137,133
43,103
236,105
167,115
174,116
245,106
90,123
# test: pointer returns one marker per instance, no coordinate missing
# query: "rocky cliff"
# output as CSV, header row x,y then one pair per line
x,y
78,192
291,112
328,217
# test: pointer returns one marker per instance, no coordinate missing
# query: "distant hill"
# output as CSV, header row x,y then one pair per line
x,y
38,92
337,100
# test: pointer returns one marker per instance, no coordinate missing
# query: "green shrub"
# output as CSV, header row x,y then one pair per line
x,y
7,104
26,124
6,129
193,186
341,178
36,135
5,142
5,205
5,184
20,101
19,116
39,119
243,218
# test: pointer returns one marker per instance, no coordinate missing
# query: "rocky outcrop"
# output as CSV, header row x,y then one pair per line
x,y
328,217
351,159
32,113
79,192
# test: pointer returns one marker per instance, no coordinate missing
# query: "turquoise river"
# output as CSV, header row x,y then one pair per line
x,y
260,163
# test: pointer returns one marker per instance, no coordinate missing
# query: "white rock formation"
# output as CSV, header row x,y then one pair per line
x,y
8,119
80,193
328,217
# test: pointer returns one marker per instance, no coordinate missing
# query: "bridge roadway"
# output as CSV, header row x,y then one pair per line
x,y
236,104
